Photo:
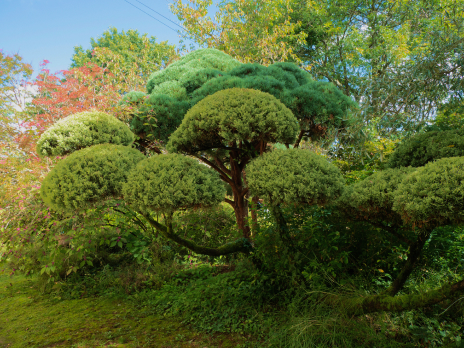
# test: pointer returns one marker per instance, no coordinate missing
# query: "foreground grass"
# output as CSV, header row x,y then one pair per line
x,y
30,319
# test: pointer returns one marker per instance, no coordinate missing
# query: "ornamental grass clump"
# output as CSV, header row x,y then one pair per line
x,y
88,176
82,130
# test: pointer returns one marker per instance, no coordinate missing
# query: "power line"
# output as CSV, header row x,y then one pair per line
x,y
161,15
151,16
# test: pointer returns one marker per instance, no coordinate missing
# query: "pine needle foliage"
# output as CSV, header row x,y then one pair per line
x,y
421,149
232,116
171,182
181,70
88,175
82,130
294,176
319,106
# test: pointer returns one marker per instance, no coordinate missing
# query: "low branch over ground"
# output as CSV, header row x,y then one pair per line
x,y
382,302
240,245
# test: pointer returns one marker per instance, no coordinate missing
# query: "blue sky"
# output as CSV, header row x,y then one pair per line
x,y
49,29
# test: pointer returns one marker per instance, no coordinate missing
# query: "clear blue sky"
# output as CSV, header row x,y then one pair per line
x,y
49,29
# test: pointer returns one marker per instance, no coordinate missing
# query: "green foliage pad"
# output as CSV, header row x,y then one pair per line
x,y
434,194
231,116
294,176
171,182
88,175
420,149
82,130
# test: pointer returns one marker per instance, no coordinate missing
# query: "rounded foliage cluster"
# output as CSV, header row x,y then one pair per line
x,y
173,89
172,182
294,176
372,198
88,175
234,115
181,70
433,194
132,97
82,130
421,149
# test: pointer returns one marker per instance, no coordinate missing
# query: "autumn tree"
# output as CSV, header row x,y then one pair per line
x,y
267,25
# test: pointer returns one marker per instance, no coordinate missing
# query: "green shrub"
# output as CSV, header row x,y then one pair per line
x,y
82,130
159,115
173,89
372,198
88,175
197,60
171,182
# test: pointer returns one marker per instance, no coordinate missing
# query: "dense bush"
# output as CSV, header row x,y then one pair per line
x,y
234,115
294,176
182,70
371,199
423,148
433,194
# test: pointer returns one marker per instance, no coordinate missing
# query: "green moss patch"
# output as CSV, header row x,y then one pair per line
x,y
29,319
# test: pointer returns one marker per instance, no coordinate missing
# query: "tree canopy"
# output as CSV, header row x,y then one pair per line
x,y
320,107
127,50
267,24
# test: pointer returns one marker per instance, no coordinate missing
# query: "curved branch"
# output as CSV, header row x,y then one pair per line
x,y
227,200
392,231
381,303
240,245
224,176
135,218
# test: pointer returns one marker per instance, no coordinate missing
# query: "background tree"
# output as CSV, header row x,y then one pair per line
x,y
14,95
266,23
399,60
125,54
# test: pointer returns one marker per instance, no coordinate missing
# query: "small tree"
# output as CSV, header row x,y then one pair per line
x,y
226,131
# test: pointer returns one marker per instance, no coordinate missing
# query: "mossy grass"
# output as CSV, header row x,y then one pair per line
x,y
29,318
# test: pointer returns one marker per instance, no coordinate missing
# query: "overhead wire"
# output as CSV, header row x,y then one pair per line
x,y
156,19
162,15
